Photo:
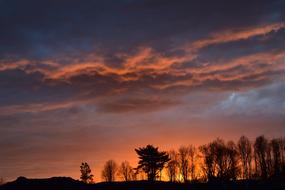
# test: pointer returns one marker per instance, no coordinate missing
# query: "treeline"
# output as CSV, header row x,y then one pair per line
x,y
218,160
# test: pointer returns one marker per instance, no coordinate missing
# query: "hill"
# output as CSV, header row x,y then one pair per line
x,y
66,183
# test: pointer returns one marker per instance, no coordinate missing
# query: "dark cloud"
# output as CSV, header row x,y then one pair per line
x,y
45,29
138,104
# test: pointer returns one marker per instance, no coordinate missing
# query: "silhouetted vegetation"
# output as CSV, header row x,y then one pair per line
x,y
110,171
86,175
63,183
126,172
245,155
186,162
152,161
216,165
172,166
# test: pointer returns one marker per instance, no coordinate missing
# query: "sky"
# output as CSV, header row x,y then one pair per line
x,y
93,80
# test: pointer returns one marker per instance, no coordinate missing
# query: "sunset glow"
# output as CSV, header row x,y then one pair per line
x,y
89,81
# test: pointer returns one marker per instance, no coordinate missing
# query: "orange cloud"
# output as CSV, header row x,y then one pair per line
x,y
229,70
147,62
234,35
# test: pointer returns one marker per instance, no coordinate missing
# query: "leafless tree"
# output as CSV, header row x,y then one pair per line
x,y
184,162
233,167
172,166
109,171
220,157
269,159
126,171
276,154
220,160
260,149
209,164
192,159
283,155
245,153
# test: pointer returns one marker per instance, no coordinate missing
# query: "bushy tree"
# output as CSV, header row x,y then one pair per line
x,y
151,161
86,175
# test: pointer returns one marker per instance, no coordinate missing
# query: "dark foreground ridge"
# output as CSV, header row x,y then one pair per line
x,y
66,183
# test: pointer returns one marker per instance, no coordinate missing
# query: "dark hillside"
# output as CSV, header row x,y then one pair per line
x,y
65,183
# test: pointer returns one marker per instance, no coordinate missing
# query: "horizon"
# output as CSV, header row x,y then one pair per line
x,y
92,81
164,176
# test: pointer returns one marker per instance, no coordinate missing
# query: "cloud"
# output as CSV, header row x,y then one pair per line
x,y
110,26
147,66
234,35
145,70
266,101
132,104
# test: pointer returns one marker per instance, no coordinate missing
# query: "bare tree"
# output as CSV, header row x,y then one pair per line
x,y
184,162
220,160
172,166
283,155
276,153
269,160
245,153
260,149
209,164
126,171
109,171
220,157
86,175
192,163
233,167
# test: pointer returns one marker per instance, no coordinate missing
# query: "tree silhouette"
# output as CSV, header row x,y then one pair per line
x,y
245,154
220,160
277,160
151,161
86,175
187,162
282,144
109,171
172,166
209,164
260,149
233,159
192,158
126,171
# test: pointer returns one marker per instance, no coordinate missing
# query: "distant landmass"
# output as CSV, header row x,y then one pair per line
x,y
67,183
